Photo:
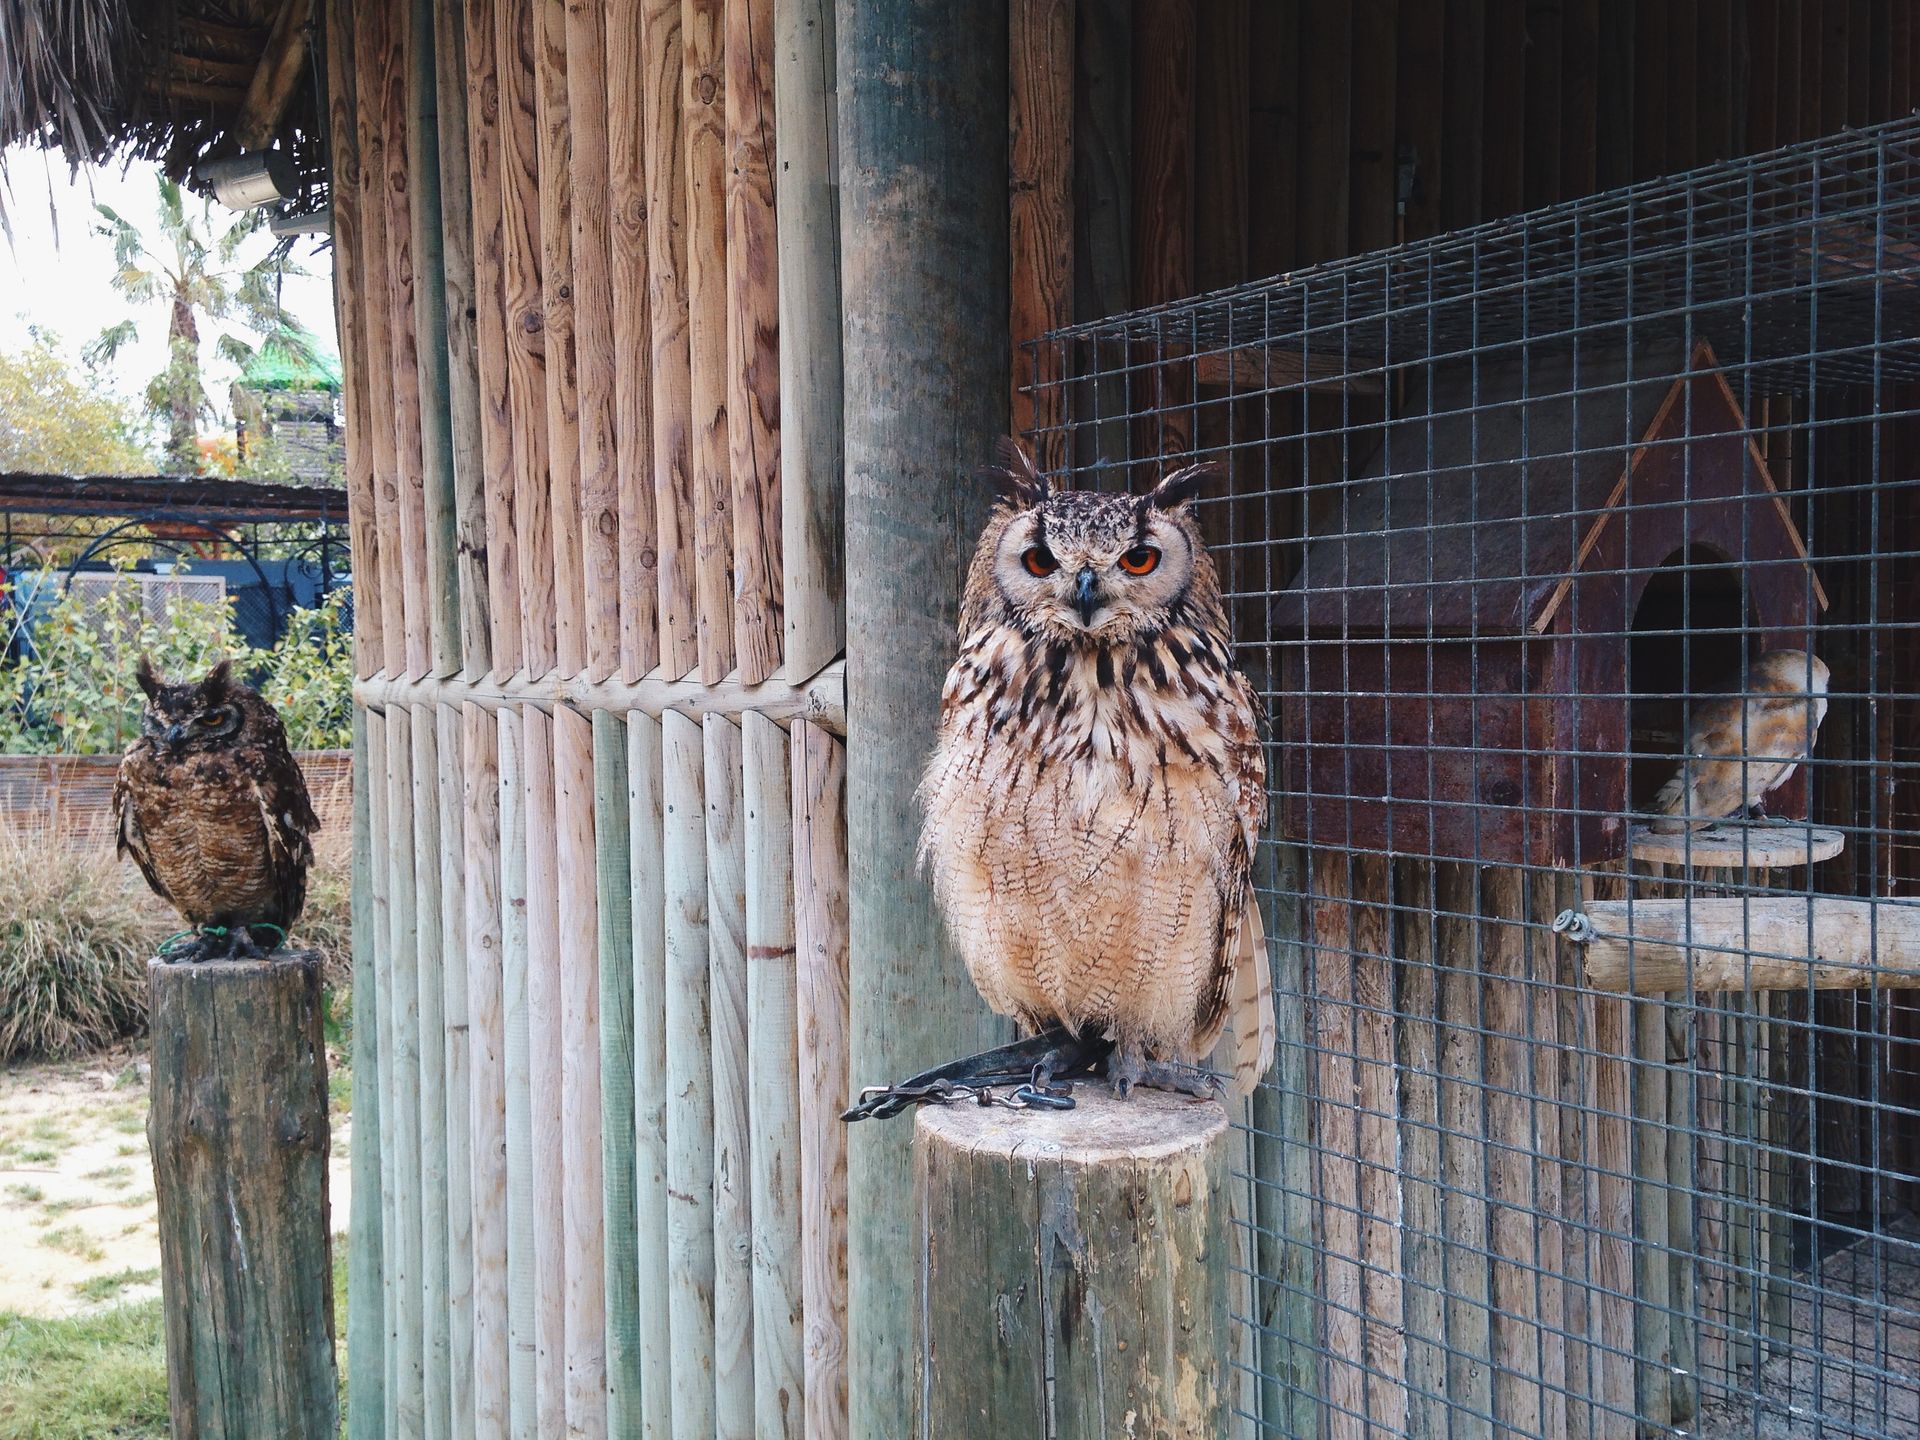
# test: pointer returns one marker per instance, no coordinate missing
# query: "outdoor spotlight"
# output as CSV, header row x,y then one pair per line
x,y
250,180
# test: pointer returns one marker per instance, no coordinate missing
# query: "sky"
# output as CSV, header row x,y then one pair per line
x,y
55,272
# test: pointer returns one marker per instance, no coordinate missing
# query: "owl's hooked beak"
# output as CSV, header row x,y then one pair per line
x,y
1085,599
174,736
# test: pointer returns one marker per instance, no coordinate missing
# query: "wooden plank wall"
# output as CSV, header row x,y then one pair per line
x,y
538,203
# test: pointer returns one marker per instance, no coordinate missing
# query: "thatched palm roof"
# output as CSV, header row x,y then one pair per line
x,y
166,80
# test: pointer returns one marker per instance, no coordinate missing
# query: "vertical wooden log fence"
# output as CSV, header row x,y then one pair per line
x,y
522,1346
545,1077
365,1320
703,51
487,1072
430,1090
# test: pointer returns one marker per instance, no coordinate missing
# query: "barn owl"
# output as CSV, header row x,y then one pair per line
x,y
1742,746
214,811
1097,787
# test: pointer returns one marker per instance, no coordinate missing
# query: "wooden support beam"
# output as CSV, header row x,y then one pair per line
x,y
773,1082
366,1319
646,808
922,171
703,41
1129,1199
401,1104
523,1416
1773,942
626,1321
281,68
733,1238
454,122
378,834
456,1031
1163,44
553,116
663,91
589,103
431,1096
397,87
239,1140
820,957
1256,369
812,482
351,323
632,340
753,340
582,1216
486,1071
821,698
545,1077
370,41
500,548
1040,148
689,1082
439,536
526,329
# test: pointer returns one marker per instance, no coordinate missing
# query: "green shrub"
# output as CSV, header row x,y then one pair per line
x,y
74,943
77,696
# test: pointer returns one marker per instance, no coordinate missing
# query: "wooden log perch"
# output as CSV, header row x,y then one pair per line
x,y
1072,1269
1730,845
1757,943
239,1137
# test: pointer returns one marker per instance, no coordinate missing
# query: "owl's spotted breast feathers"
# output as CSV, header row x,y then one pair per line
x,y
1095,798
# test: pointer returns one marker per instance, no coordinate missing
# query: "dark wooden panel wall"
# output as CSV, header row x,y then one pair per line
x,y
1207,142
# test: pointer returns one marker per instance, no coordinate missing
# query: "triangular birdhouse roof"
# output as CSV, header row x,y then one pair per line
x,y
1475,514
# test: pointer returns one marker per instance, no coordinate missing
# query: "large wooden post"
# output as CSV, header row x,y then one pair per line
x,y
1072,1269
922,106
239,1136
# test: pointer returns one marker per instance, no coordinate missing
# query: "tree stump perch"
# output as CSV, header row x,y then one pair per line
x,y
239,1136
1072,1269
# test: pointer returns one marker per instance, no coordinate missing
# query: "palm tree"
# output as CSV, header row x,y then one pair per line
x,y
196,274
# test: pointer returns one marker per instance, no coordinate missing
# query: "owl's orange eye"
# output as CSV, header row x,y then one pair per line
x,y
1140,560
1039,561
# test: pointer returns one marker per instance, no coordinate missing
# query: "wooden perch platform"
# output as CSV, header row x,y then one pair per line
x,y
1775,845
239,1136
1253,369
1073,1268
1653,947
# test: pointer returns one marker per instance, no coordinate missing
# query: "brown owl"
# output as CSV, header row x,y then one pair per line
x,y
214,811
1742,746
1098,785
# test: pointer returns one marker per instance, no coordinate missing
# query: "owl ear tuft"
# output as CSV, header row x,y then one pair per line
x,y
1013,475
217,679
1178,488
145,677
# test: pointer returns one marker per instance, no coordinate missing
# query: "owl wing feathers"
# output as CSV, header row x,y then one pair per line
x,y
130,839
286,814
1240,1001
1737,751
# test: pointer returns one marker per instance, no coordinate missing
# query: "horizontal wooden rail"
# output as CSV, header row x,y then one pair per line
x,y
1653,947
821,698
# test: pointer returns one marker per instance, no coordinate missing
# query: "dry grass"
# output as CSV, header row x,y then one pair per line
x,y
326,921
74,940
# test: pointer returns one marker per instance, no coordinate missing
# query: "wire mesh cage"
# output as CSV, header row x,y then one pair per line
x,y
1577,557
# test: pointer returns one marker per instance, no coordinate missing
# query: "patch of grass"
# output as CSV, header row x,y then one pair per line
x,y
71,1203
39,1155
131,1122
108,1287
128,1077
73,948
26,1194
129,1149
339,1091
109,1173
50,1129
84,1378
72,1240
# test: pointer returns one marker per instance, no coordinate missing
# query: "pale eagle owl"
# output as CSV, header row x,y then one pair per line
x,y
214,811
1098,786
1742,746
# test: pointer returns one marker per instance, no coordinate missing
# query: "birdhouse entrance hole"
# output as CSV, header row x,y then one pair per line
x,y
1691,639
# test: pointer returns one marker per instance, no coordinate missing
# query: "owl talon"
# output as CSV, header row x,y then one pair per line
x,y
1125,1072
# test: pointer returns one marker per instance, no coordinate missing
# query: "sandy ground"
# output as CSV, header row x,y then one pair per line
x,y
76,1184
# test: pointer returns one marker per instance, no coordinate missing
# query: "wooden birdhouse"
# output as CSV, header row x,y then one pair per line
x,y
1495,634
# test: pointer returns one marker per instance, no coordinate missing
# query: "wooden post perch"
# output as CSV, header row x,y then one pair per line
x,y
239,1137
1072,1269
1747,943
